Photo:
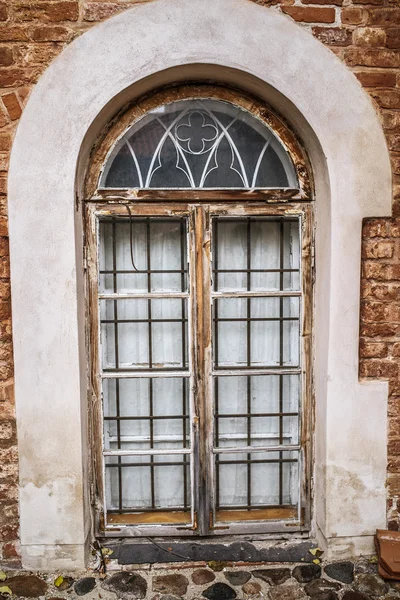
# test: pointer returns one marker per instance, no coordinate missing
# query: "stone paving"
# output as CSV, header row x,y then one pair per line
x,y
315,580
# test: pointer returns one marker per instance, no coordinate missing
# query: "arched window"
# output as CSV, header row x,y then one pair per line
x,y
199,143
199,232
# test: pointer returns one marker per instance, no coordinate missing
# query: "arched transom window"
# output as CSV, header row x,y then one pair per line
x,y
199,229
199,143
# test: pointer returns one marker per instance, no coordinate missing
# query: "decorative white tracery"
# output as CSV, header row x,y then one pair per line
x,y
197,130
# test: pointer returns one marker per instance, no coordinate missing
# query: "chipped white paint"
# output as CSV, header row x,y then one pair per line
x,y
151,44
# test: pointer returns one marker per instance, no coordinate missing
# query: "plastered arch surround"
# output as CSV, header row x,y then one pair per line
x,y
260,50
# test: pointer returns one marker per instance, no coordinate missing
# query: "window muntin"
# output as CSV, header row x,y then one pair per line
x,y
199,143
256,423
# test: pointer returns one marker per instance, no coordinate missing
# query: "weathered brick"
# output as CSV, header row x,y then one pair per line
x,y
54,12
9,490
14,33
33,54
5,309
393,484
7,430
375,228
391,120
3,11
12,105
394,390
4,246
4,118
371,311
378,249
353,16
394,426
17,76
394,227
7,392
369,37
310,14
8,456
373,350
322,2
393,141
3,184
6,368
379,330
11,550
5,291
378,369
4,269
333,36
369,2
9,467
5,144
372,58
393,406
393,37
387,98
381,271
383,17
394,157
52,33
272,2
9,531
97,11
376,78
23,93
6,56
381,291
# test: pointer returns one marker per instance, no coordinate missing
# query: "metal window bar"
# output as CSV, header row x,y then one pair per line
x,y
248,370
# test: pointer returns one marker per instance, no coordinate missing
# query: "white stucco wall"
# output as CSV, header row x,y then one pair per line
x,y
262,51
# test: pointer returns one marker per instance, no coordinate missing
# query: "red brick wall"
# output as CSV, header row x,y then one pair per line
x,y
365,35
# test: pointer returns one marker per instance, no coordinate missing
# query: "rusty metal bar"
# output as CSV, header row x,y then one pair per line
x,y
254,449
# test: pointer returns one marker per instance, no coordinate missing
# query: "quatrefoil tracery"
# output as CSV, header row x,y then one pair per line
x,y
198,134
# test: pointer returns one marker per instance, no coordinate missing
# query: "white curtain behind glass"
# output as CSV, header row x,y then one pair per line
x,y
231,252
166,352
157,245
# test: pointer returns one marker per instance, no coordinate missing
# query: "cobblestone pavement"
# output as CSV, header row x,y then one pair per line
x,y
316,580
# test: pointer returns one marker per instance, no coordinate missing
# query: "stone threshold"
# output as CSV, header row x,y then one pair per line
x,y
128,552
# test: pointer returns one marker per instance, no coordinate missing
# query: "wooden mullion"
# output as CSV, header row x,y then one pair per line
x,y
202,349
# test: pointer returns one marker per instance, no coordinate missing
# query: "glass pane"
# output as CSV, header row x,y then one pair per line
x,y
199,143
148,482
146,413
144,334
256,410
257,480
256,254
256,332
159,251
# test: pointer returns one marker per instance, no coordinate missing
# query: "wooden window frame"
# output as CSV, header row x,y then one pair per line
x,y
200,212
258,109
